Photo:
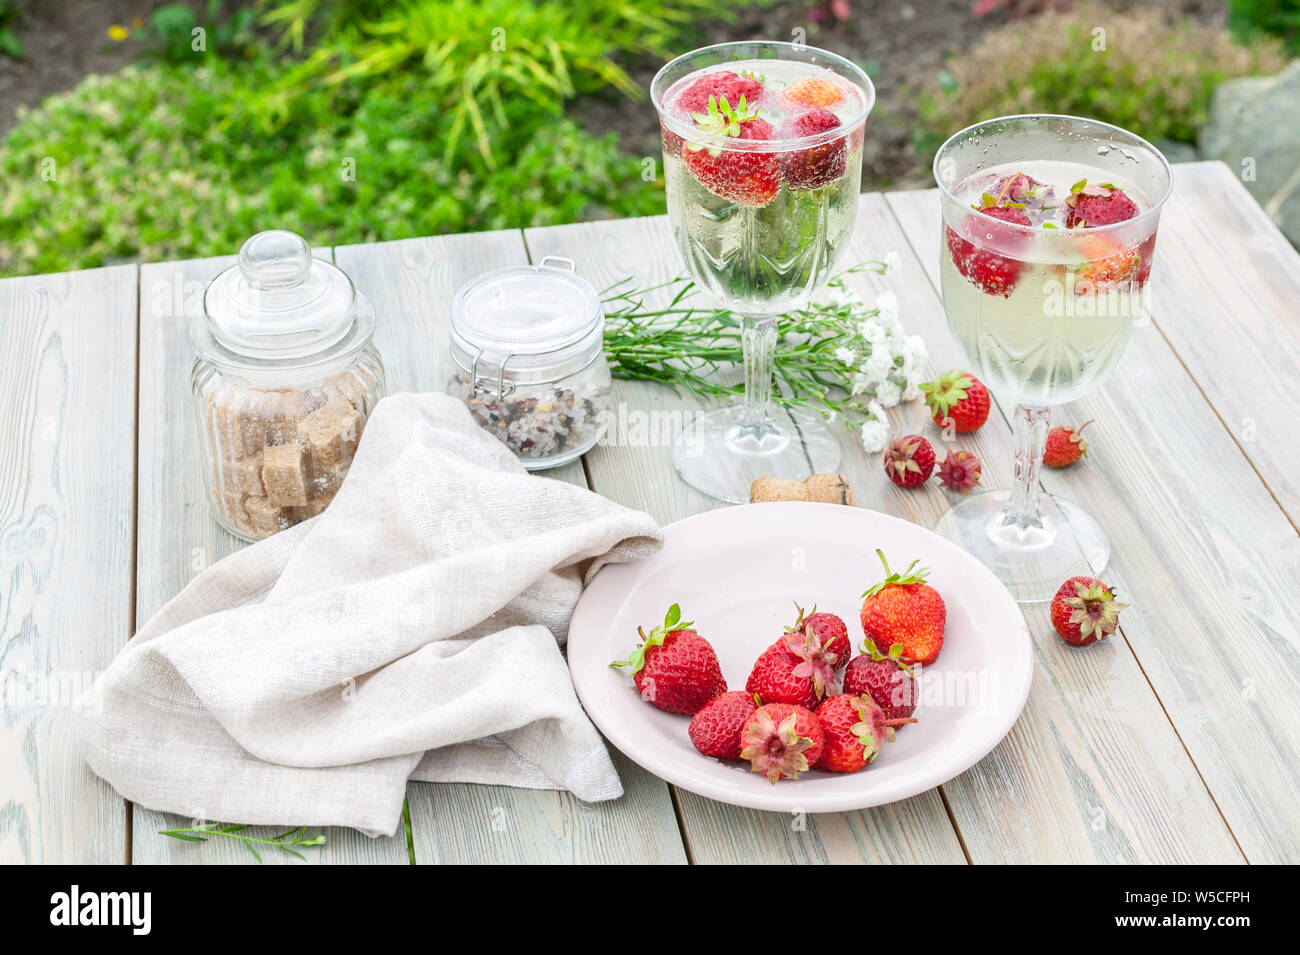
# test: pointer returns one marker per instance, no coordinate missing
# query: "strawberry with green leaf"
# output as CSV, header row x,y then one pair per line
x,y
959,396
674,667
1097,205
906,610
745,176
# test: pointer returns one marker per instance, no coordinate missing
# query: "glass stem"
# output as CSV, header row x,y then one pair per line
x,y
758,342
1030,428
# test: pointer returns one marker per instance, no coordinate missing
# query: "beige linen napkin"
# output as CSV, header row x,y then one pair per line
x,y
413,630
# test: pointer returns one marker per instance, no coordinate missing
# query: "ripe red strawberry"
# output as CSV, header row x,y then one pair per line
x,y
795,669
958,395
991,272
715,729
1097,205
960,471
831,632
781,741
674,667
695,99
855,729
720,84
816,166
1065,446
883,677
1085,610
748,178
909,461
904,609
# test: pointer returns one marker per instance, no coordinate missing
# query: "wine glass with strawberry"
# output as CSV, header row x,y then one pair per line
x,y
1048,234
763,165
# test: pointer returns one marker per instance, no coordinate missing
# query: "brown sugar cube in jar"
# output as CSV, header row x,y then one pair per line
x,y
331,433
284,474
244,477
265,518
314,506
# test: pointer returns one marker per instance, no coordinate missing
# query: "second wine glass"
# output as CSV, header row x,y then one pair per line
x,y
763,167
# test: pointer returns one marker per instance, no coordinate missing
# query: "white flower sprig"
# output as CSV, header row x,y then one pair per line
x,y
851,360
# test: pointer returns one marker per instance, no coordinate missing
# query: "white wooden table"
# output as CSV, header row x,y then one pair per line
x,y
1176,741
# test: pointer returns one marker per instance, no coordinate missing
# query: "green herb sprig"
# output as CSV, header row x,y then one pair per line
x,y
285,841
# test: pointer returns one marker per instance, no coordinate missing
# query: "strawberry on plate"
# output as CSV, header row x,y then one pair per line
x,y
798,668
747,177
830,631
903,609
854,730
715,729
819,165
958,395
781,741
674,667
885,678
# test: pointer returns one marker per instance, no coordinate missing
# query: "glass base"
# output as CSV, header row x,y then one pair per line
x,y
718,455
1034,562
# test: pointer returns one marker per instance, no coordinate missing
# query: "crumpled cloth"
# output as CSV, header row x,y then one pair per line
x,y
412,631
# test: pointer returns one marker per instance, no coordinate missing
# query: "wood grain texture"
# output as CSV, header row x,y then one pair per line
x,y
411,284
67,434
643,476
1207,557
178,538
1226,295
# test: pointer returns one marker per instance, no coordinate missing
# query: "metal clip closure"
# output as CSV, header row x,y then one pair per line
x,y
503,389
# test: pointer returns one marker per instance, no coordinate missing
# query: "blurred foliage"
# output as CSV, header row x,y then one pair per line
x,y
1278,18
162,162
169,35
9,43
473,56
1154,75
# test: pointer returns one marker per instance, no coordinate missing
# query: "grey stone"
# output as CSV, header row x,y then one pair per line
x,y
1254,127
1176,151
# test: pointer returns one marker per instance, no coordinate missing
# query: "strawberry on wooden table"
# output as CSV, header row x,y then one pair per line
x,y
854,730
1065,445
909,460
960,471
1085,610
903,609
781,740
715,729
674,667
959,397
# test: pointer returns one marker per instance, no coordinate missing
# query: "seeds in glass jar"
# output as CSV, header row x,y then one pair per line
x,y
541,421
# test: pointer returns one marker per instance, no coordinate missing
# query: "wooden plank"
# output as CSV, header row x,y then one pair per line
x,y
412,283
1035,798
1227,298
643,476
1208,559
67,440
177,538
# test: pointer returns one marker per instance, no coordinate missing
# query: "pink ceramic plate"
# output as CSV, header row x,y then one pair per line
x,y
737,573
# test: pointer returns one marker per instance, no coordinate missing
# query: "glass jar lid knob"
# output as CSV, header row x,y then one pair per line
x,y
275,259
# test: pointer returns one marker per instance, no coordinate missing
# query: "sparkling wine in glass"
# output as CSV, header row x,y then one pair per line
x,y
762,150
1047,239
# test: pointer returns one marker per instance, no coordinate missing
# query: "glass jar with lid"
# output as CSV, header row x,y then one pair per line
x,y
285,378
527,343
